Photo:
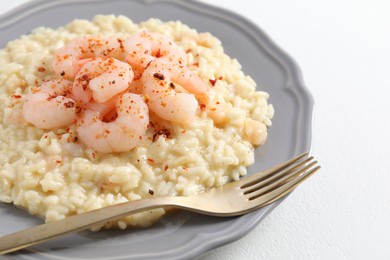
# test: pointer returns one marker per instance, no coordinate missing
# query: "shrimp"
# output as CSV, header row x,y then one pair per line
x,y
103,108
100,80
69,59
48,107
145,47
160,80
136,87
122,134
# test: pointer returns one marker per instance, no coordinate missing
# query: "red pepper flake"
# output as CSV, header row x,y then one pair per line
x,y
62,73
202,107
151,192
84,77
69,104
158,53
188,50
220,78
213,81
120,43
196,64
58,161
184,168
147,65
79,110
166,167
159,76
163,132
76,139
172,86
16,96
41,69
150,160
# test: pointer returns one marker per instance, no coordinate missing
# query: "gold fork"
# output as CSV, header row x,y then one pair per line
x,y
233,199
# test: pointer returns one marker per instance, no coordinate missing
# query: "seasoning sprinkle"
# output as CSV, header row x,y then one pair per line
x,y
213,81
159,76
158,53
69,104
163,132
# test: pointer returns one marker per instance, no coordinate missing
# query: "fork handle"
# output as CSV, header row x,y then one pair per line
x,y
38,234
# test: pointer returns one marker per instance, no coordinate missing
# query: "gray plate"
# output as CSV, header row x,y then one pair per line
x,y
181,235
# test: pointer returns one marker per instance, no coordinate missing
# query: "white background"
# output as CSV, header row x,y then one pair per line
x,y
343,212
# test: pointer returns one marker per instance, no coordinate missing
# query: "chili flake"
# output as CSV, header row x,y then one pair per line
x,y
213,81
159,76
163,132
69,104
158,53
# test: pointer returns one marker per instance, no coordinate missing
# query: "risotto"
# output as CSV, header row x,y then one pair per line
x,y
52,174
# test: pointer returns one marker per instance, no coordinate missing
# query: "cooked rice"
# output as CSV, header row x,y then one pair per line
x,y
52,176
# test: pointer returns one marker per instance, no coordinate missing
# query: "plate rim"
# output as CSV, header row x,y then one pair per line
x,y
295,85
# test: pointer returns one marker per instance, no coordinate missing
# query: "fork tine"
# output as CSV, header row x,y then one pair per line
x,y
284,189
274,185
251,180
263,182
278,178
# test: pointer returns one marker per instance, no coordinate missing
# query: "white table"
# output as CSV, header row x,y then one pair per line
x,y
343,212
